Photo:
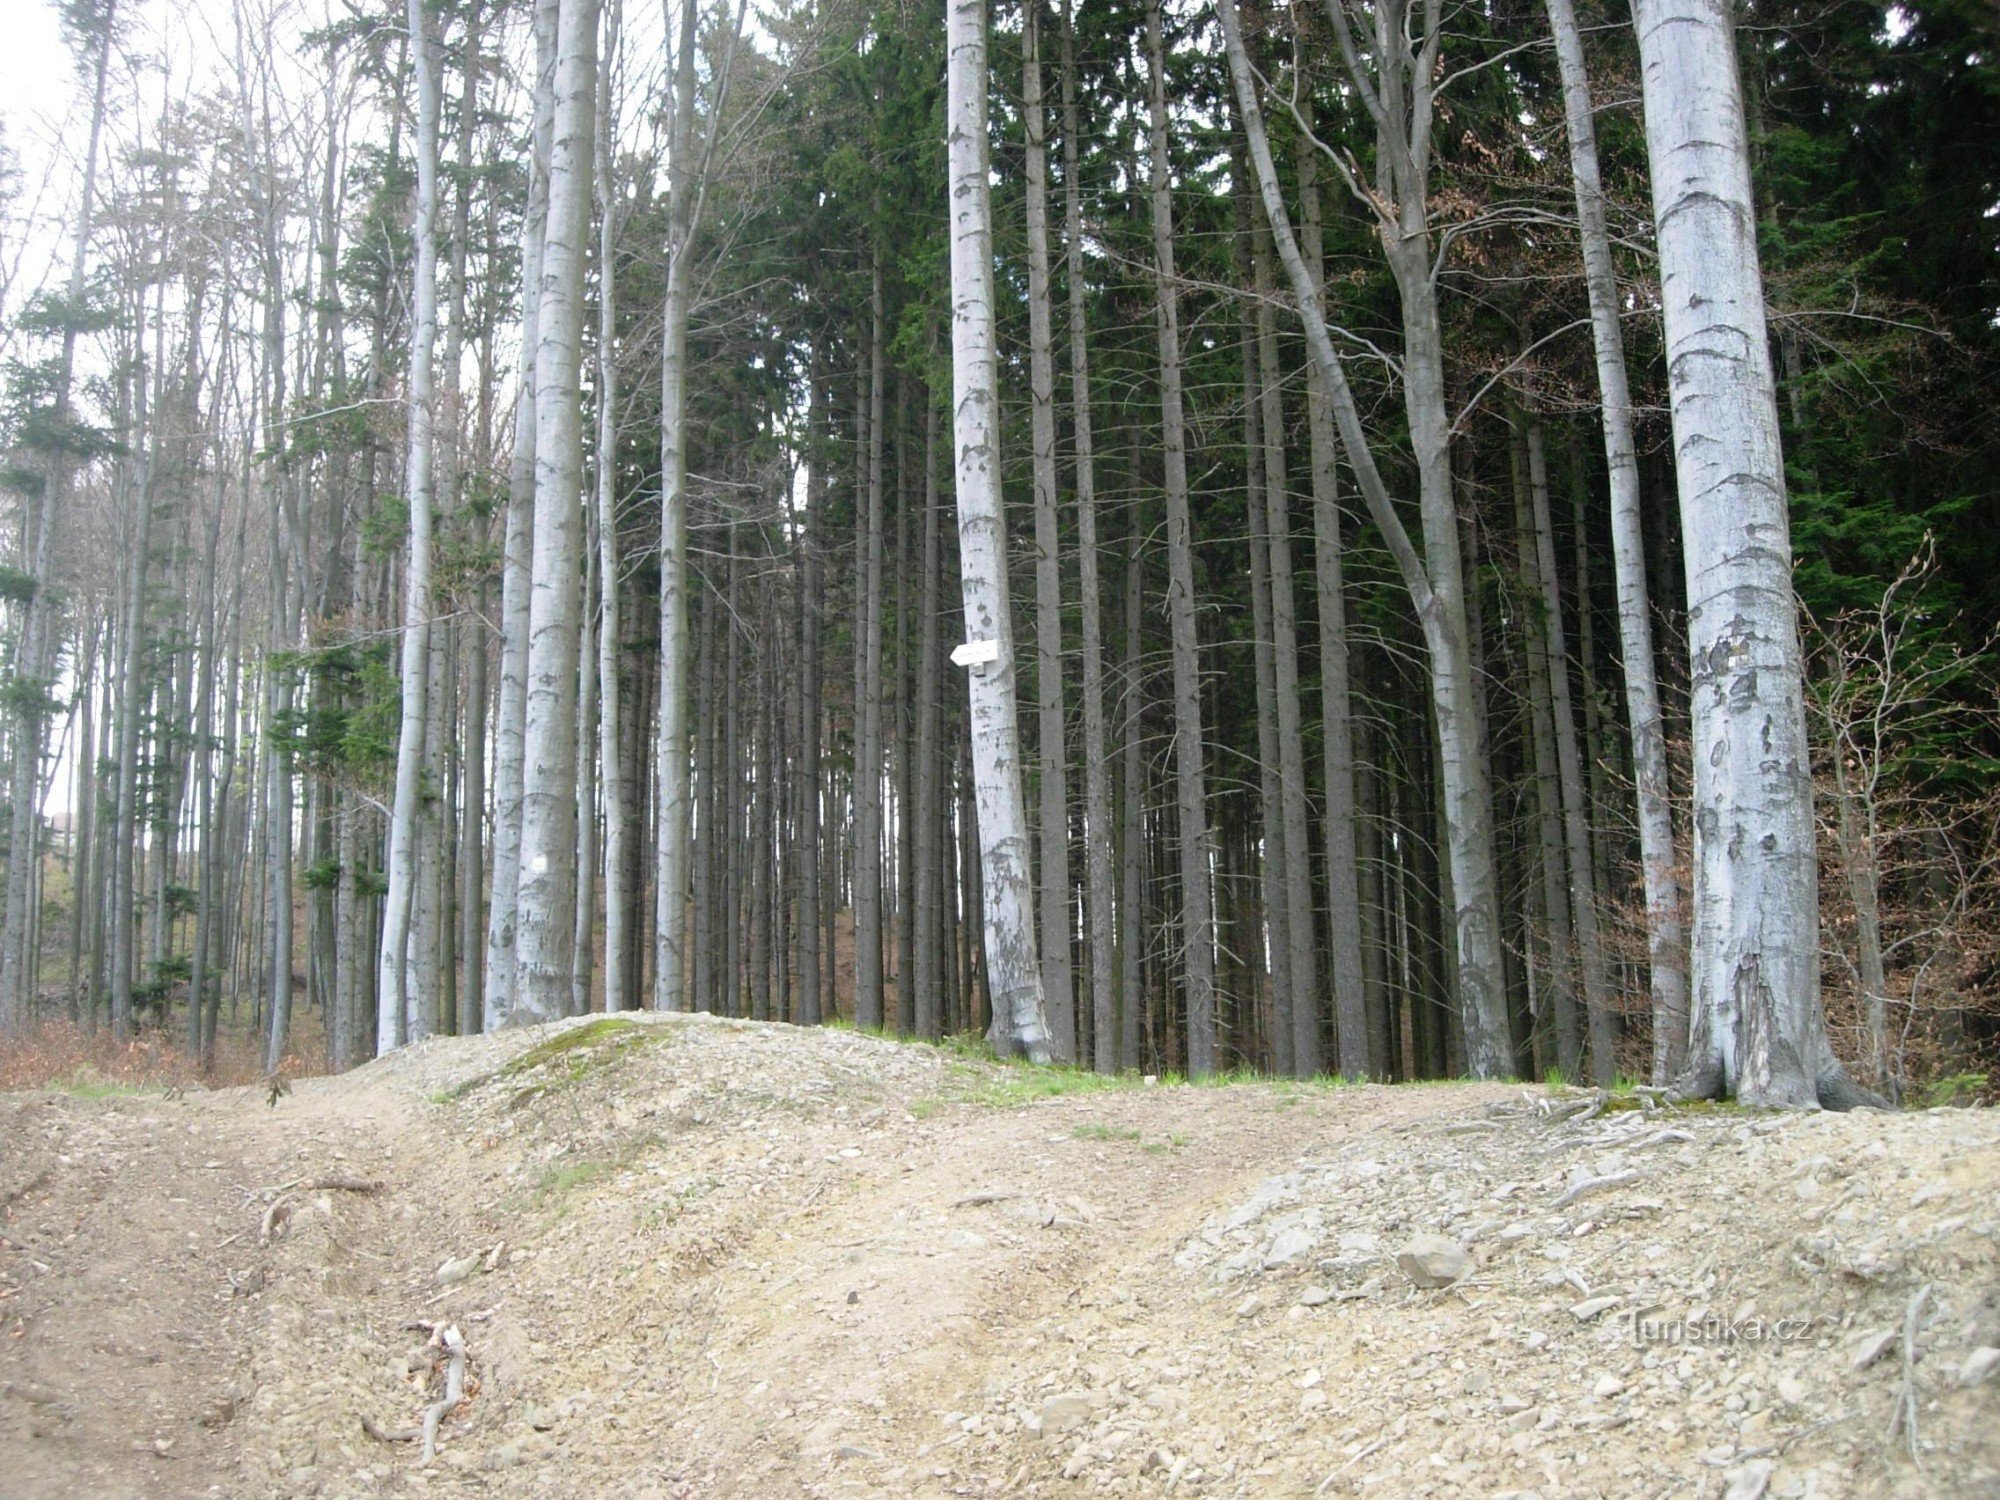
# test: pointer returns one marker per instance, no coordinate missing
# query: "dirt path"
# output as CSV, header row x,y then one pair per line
x,y
696,1258
132,1285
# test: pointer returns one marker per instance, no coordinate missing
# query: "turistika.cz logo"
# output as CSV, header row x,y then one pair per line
x,y
1651,1326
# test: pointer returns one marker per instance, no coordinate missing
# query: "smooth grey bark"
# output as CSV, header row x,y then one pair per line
x,y
618,988
582,957
1759,1033
1435,580
1665,936
516,579
1197,892
807,790
546,888
687,180
1013,975
1358,1056
394,976
466,870
1053,885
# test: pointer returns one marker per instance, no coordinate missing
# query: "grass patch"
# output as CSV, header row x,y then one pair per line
x,y
559,1181
89,1085
1012,1084
1105,1133
567,1058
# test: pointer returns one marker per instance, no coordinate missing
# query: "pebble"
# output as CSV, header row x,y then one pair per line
x,y
1871,1347
1431,1260
1287,1246
1065,1411
457,1269
1979,1364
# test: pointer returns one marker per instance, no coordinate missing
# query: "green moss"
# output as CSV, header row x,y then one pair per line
x,y
566,1058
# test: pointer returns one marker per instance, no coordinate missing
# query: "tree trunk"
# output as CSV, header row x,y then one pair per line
x,y
806,923
1013,975
1759,1034
393,982
1275,940
925,810
1058,990
546,890
1435,582
1560,936
618,988
1132,798
1298,885
1197,905
1099,842
582,957
1664,936
1357,1057
670,941
517,562
868,1007
36,657
124,891
1598,1001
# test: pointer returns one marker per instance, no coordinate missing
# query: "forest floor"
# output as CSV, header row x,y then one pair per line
x,y
692,1257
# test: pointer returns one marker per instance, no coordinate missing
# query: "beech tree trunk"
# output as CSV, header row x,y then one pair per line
x,y
1759,1034
546,889
1013,975
392,1025
516,577
618,990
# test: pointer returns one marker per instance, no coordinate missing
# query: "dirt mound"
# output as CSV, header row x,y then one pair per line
x,y
692,1257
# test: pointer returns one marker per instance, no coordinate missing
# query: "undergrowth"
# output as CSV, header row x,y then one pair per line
x,y
63,1056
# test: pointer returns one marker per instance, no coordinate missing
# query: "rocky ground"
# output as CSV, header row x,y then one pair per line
x,y
690,1257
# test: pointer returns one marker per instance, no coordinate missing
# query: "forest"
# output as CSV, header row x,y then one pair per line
x,y
1389,538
